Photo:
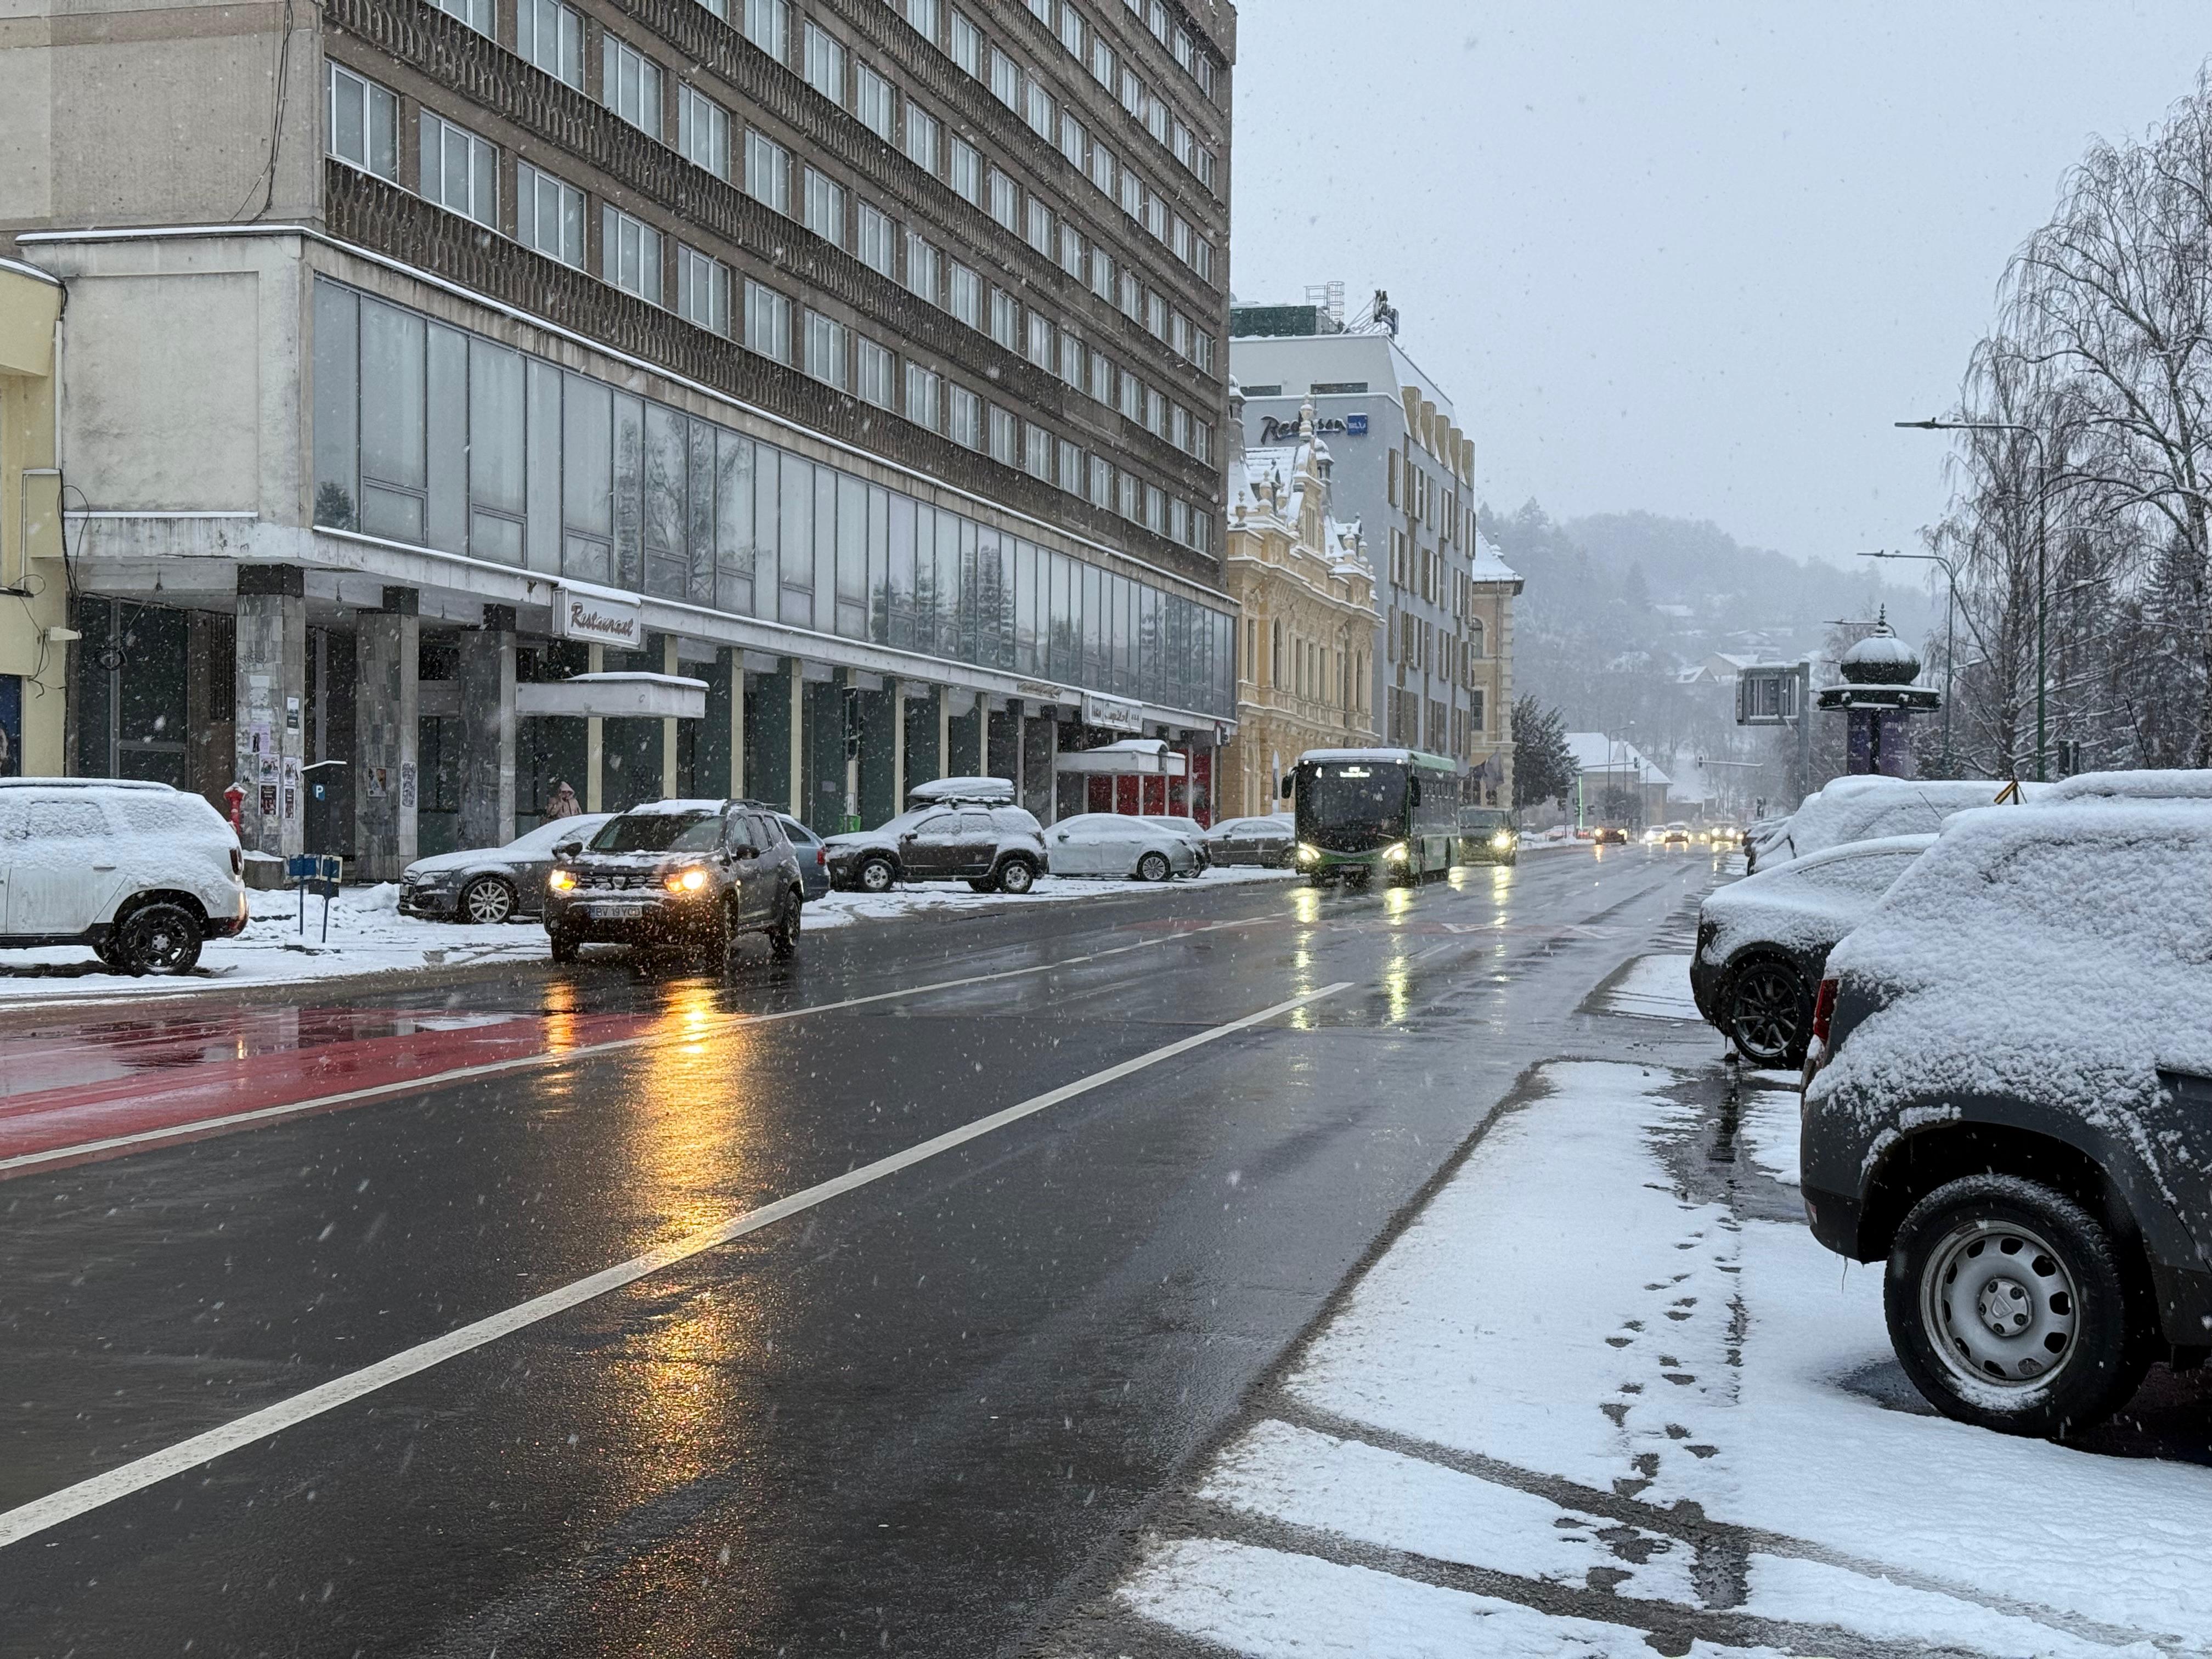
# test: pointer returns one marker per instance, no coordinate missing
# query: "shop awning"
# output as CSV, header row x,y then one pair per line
x,y
615,697
1137,756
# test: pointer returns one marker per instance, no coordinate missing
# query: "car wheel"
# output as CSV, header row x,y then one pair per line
x,y
2008,1308
717,938
1154,866
1769,1013
783,936
563,942
160,938
1017,876
875,875
486,901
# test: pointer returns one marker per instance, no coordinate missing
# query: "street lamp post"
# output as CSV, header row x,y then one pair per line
x,y
2042,531
1950,613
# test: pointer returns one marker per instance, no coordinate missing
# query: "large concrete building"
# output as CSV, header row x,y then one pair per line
x,y
1442,661
1303,580
794,397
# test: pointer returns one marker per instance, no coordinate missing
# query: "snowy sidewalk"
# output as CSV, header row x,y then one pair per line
x,y
368,935
1604,1397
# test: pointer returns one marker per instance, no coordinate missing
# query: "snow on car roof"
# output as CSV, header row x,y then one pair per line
x,y
2151,784
2055,956
650,808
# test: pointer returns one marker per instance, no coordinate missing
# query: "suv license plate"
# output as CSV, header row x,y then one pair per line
x,y
618,907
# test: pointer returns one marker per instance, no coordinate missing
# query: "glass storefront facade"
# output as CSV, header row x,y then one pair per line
x,y
429,434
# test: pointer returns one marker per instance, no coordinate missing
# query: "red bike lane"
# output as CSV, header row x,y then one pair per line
x,y
75,1094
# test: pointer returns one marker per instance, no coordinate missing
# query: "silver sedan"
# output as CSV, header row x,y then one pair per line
x,y
1114,844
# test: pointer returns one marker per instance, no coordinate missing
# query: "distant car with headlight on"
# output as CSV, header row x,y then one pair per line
x,y
1486,835
687,875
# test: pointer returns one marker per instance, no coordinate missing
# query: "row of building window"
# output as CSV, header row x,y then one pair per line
x,y
1446,730
460,172
429,436
1423,647
550,34
1307,669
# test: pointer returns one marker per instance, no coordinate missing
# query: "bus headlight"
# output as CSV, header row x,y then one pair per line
x,y
1308,855
1396,854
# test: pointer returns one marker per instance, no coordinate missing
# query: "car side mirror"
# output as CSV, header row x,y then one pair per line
x,y
908,835
567,850
1287,789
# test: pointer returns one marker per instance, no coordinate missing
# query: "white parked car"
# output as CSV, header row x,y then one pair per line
x,y
143,873
1189,828
1117,844
1869,808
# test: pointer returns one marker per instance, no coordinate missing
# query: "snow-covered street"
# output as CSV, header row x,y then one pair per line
x,y
1606,1394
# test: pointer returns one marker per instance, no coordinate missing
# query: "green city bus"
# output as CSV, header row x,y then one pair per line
x,y
1366,812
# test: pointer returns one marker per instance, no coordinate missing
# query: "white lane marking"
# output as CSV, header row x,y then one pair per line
x,y
41,1513
553,1057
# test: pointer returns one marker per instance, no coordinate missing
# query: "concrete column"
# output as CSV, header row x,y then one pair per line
x,y
595,662
388,650
898,746
851,692
736,662
668,723
485,680
944,736
270,743
797,739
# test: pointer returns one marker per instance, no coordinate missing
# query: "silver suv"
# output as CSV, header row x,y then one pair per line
x,y
143,873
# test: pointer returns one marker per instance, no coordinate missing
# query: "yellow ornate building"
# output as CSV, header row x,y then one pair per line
x,y
1307,594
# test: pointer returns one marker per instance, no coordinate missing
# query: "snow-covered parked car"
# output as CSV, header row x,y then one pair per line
x,y
994,849
1763,942
2008,1100
1870,808
143,873
1189,828
492,884
1265,840
1119,844
2151,784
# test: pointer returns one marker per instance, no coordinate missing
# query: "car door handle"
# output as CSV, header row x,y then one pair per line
x,y
103,866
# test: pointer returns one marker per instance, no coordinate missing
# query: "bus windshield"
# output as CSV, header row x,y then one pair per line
x,y
1350,805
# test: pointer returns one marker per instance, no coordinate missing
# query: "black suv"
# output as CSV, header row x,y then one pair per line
x,y
689,875
2008,1100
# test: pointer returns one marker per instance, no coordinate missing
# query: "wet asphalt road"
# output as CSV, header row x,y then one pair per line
x,y
904,1420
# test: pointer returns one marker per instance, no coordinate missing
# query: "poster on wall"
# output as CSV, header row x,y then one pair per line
x,y
291,787
407,786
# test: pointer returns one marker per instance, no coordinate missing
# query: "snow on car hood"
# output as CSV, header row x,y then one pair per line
x,y
1808,903
2059,956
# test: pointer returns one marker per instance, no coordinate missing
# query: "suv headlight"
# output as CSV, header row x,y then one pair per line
x,y
562,881
685,881
1502,840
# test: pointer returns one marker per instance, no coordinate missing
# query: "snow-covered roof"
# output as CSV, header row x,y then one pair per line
x,y
1488,566
655,808
1593,751
2193,784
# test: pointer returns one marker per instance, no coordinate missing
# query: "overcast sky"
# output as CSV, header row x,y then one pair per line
x,y
1692,257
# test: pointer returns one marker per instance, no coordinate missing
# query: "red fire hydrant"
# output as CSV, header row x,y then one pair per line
x,y
235,795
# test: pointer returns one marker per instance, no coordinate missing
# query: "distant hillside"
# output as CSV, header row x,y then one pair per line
x,y
1619,605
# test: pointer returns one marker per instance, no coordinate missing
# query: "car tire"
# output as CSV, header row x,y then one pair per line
x,y
982,884
160,938
875,875
783,933
488,901
1767,1011
718,938
563,943
1154,866
1017,876
2009,1308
